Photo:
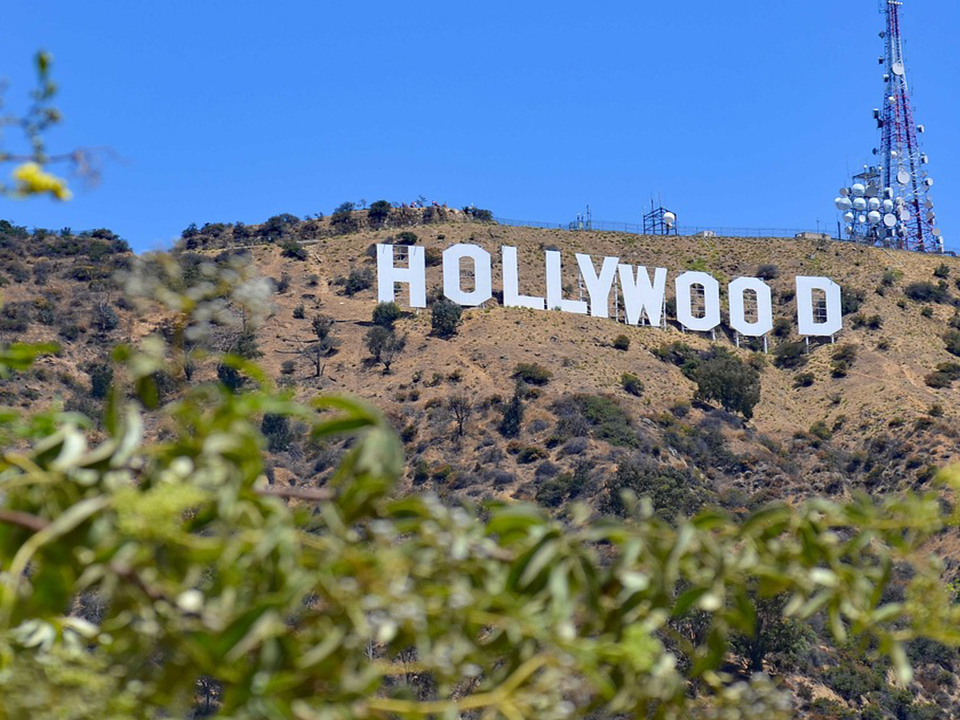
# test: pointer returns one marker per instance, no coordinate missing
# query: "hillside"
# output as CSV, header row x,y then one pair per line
x,y
867,419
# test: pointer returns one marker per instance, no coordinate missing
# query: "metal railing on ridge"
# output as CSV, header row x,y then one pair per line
x,y
687,230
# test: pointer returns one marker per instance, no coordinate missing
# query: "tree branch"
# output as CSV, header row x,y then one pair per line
x,y
309,494
24,520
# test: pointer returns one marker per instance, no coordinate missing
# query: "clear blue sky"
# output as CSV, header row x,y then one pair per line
x,y
744,114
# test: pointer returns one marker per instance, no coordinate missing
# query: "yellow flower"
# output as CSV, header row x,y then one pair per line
x,y
32,180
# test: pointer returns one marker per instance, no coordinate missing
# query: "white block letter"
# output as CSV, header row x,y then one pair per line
x,y
807,322
640,296
415,275
482,282
598,287
711,301
555,299
738,318
511,283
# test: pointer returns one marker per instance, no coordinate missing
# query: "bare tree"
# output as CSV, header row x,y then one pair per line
x,y
461,409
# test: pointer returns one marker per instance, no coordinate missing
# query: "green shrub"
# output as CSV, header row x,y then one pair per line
x,y
358,280
851,299
342,218
101,379
681,355
444,318
942,271
725,378
288,367
407,238
632,384
622,342
531,454
299,312
379,213
599,415
782,327
768,272
532,374
294,250
804,380
952,340
927,292
512,415
566,486
820,430
276,430
927,312
674,492
790,356
843,358
386,314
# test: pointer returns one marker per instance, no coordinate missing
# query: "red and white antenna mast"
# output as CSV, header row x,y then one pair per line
x,y
889,204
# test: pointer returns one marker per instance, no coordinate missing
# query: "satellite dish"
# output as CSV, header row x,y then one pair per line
x,y
849,229
898,69
874,217
844,192
860,204
921,129
903,177
894,154
848,216
931,215
928,182
862,219
928,204
669,219
904,216
844,204
890,220
859,189
891,99
936,232
888,205
873,204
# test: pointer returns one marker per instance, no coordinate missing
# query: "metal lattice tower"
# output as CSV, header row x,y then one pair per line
x,y
889,204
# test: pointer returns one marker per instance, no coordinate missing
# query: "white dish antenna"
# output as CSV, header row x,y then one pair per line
x,y
669,219
873,203
860,204
844,204
903,177
874,217
898,69
904,215
848,217
936,232
859,189
890,220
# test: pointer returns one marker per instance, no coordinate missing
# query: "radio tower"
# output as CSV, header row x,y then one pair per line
x,y
889,204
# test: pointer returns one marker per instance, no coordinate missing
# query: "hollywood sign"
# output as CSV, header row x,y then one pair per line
x,y
644,297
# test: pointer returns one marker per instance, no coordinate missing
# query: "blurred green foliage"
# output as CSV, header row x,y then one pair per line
x,y
134,572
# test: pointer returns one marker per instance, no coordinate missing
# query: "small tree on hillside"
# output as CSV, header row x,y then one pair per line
x,y
444,318
379,212
725,378
461,409
322,326
384,345
512,414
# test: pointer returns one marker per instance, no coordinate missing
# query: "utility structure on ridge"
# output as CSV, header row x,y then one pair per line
x,y
889,203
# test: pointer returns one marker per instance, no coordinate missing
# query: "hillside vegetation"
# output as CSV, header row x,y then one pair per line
x,y
516,404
